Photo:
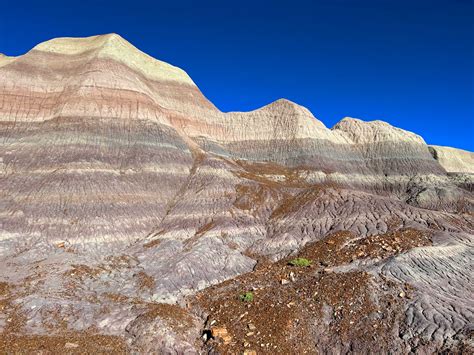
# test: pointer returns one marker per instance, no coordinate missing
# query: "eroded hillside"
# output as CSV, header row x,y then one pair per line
x,y
135,213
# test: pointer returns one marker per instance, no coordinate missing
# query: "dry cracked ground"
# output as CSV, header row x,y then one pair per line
x,y
137,218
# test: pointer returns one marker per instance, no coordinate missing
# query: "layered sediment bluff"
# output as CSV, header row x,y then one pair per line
x,y
134,213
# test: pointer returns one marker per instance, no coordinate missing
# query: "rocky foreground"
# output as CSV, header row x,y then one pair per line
x,y
138,218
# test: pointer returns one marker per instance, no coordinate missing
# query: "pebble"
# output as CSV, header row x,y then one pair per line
x,y
243,315
292,276
251,326
71,345
285,282
402,294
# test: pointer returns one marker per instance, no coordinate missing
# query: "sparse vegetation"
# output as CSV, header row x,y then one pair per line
x,y
246,297
302,262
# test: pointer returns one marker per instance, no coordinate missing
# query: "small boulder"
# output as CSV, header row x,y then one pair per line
x,y
222,333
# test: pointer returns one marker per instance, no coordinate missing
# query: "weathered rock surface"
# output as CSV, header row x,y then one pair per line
x,y
124,191
453,160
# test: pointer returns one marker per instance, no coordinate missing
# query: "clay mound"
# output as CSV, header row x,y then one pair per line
x,y
453,160
125,192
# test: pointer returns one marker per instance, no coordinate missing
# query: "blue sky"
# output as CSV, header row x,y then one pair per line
x,y
409,63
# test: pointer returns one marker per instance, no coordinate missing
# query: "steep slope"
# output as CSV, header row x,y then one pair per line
x,y
88,136
453,160
124,191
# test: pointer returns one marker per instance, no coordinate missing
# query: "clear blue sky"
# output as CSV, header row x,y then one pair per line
x,y
408,62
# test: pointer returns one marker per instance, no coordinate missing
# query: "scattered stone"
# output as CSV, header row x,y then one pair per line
x,y
251,326
402,294
284,282
243,315
250,352
221,332
71,345
292,276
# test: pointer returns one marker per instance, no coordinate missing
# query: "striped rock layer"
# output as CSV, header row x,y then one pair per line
x,y
106,152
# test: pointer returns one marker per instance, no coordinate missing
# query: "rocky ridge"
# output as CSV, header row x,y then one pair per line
x,y
124,191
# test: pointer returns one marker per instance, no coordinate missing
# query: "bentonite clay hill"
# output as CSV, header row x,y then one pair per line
x,y
138,218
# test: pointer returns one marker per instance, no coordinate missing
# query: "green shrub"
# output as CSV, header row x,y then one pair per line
x,y
300,262
246,297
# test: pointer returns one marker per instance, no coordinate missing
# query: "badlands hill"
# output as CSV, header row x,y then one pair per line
x,y
134,213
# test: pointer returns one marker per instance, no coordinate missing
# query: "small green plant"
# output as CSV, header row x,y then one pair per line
x,y
246,297
303,262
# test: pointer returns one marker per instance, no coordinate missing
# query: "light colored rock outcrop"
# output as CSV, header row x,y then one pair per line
x,y
112,46
453,160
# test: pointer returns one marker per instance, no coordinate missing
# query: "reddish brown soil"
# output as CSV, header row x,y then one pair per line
x,y
82,271
14,341
250,196
175,316
152,244
257,172
303,309
145,281
293,203
73,343
340,248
